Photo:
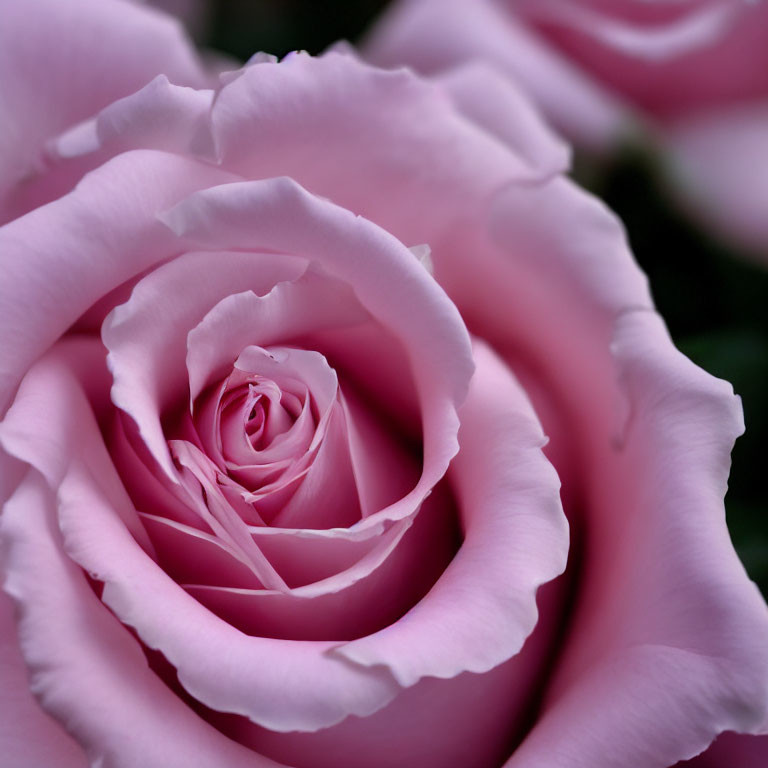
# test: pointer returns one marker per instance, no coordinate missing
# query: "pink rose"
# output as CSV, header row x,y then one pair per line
x,y
270,504
693,73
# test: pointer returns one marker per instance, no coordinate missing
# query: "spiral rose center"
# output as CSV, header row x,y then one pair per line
x,y
275,423
258,414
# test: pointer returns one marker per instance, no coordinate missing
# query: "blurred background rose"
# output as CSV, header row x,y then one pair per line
x,y
689,78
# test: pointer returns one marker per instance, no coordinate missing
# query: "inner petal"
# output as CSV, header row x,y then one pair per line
x,y
277,435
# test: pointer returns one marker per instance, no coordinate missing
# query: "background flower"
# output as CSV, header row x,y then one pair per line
x,y
689,73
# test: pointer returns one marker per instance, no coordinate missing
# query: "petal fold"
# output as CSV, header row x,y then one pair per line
x,y
483,606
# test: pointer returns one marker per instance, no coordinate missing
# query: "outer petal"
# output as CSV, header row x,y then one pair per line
x,y
470,720
672,651
87,669
719,162
159,116
29,736
482,608
661,33
644,460
494,102
415,190
433,35
62,62
62,258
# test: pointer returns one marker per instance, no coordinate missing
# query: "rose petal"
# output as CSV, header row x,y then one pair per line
x,y
150,489
732,749
434,35
51,413
158,116
646,461
188,554
471,720
697,28
28,735
497,104
147,335
384,469
283,687
83,39
326,496
374,591
65,256
687,630
291,309
671,63
87,670
282,104
483,607
668,421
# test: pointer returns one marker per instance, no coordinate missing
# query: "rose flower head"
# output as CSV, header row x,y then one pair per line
x,y
277,363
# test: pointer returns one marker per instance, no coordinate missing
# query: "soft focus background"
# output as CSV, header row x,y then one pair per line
x,y
714,299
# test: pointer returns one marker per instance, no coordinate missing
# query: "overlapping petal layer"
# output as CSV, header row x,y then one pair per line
x,y
49,94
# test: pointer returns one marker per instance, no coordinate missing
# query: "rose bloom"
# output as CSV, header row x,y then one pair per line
x,y
268,501
690,76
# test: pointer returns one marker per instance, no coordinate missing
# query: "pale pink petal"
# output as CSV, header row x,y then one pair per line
x,y
198,476
434,35
384,468
498,105
549,272
326,496
389,283
150,489
62,258
147,336
494,102
291,310
28,735
472,721
660,631
415,190
668,37
87,670
483,607
307,556
90,59
51,412
282,686
719,165
160,115
188,554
